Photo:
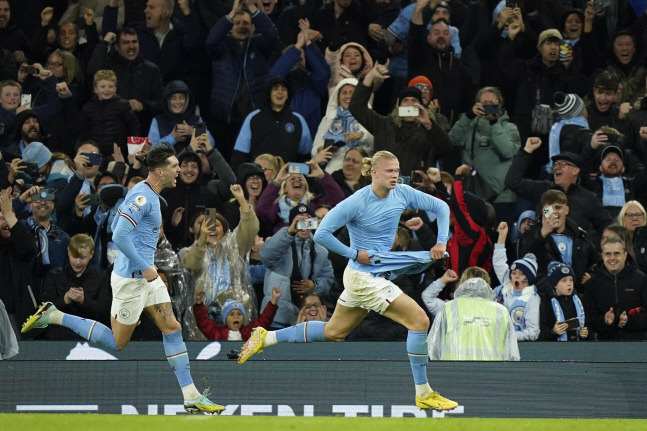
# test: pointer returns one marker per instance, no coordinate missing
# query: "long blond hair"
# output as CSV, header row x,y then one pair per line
x,y
369,163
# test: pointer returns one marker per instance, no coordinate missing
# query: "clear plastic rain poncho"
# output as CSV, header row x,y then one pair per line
x,y
472,327
180,287
224,275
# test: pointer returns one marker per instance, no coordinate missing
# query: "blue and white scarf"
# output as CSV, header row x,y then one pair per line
x,y
286,204
613,191
559,315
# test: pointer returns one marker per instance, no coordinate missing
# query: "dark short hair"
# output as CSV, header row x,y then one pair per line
x,y
126,30
607,80
88,142
102,175
554,197
158,156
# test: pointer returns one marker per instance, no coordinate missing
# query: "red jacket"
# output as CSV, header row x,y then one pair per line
x,y
470,245
216,332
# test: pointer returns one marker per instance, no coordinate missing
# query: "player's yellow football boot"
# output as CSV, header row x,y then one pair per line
x,y
39,318
436,402
254,345
203,404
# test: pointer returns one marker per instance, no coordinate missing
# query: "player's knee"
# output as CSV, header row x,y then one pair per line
x,y
420,323
173,326
332,335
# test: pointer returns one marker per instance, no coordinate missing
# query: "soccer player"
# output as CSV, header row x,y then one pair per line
x,y
372,215
136,286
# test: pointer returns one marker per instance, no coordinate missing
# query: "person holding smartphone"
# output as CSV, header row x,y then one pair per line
x,y
10,100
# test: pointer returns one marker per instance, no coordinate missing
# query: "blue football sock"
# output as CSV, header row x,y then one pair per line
x,y
178,357
91,330
417,351
306,332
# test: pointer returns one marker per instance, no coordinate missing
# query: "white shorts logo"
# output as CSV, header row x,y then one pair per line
x,y
124,313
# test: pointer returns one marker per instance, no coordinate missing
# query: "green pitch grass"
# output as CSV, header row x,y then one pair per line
x,y
94,422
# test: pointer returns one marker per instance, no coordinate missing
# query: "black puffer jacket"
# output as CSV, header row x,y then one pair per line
x,y
413,145
623,292
546,251
107,122
96,303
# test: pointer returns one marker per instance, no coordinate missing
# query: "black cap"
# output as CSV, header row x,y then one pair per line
x,y
612,149
571,157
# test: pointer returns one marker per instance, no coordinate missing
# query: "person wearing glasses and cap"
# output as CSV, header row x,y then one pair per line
x,y
585,207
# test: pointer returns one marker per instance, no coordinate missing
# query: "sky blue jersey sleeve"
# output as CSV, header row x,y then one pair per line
x,y
423,201
337,217
121,233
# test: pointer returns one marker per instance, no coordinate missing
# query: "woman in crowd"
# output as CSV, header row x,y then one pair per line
x,y
216,260
270,165
288,190
349,177
633,217
339,131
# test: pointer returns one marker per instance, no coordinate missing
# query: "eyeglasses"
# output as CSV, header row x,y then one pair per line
x,y
634,215
54,63
562,163
315,305
255,178
422,87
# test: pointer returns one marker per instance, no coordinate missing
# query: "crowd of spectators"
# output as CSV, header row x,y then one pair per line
x,y
529,118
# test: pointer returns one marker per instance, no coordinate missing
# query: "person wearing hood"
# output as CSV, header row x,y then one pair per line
x,y
471,327
275,128
352,60
252,180
187,199
305,68
417,141
239,45
177,122
28,129
339,131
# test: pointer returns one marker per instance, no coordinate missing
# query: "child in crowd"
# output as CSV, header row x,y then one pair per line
x,y
108,118
562,307
517,291
233,316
